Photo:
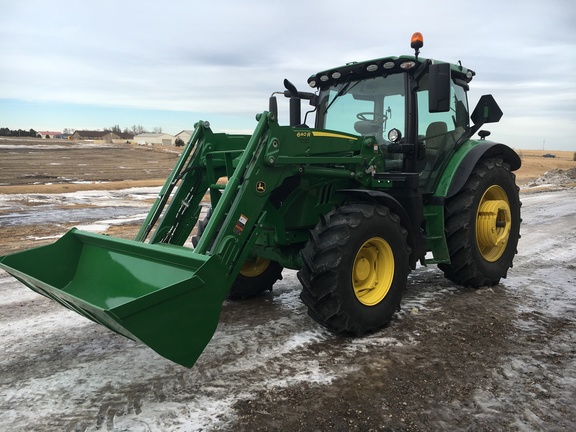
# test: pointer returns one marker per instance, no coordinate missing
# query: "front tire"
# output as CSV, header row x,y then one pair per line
x,y
355,267
256,277
482,225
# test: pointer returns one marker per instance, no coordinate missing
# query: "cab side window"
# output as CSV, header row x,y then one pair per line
x,y
440,131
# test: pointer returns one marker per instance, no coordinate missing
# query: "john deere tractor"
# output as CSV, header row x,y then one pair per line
x,y
387,176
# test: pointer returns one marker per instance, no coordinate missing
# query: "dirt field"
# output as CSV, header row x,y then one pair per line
x,y
26,166
535,165
52,166
500,358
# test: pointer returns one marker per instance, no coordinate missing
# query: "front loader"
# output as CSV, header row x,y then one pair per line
x,y
389,175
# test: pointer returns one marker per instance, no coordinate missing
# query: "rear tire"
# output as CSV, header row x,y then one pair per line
x,y
355,267
482,225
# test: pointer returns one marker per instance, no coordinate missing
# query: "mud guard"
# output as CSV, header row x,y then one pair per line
x,y
412,226
484,149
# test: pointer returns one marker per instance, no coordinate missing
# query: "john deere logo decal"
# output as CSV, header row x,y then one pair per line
x,y
260,186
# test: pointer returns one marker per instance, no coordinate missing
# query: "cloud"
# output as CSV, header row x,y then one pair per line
x,y
226,57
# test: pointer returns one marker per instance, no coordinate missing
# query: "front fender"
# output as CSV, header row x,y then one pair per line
x,y
411,224
464,160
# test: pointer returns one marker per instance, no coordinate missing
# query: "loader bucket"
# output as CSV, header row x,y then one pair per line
x,y
166,296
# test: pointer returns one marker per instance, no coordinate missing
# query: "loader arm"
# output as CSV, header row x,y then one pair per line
x,y
254,166
206,158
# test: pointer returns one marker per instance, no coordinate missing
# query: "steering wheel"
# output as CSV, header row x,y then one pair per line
x,y
362,116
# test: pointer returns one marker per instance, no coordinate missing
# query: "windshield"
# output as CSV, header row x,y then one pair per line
x,y
368,107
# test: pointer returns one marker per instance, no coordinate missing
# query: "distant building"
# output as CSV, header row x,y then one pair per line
x,y
185,135
155,138
89,135
124,136
49,134
107,136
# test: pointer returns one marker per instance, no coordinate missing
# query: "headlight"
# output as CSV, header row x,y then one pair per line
x,y
394,135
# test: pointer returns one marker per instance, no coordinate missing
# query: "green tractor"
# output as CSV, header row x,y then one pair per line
x,y
388,176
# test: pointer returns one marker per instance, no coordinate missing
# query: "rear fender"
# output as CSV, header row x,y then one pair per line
x,y
465,159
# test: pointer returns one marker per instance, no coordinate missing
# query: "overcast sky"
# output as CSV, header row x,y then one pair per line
x,y
93,64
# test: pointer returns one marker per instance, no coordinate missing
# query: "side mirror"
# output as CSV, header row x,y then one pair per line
x,y
273,106
439,88
295,106
486,111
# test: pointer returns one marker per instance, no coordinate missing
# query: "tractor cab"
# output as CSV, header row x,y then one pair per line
x,y
416,109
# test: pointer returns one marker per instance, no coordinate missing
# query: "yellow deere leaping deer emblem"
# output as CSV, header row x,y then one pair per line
x,y
260,187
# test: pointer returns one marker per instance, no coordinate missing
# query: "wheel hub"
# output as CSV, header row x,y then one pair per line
x,y
254,268
373,271
493,223
362,269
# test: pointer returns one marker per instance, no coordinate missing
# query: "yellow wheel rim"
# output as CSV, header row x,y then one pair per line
x,y
493,222
373,271
255,267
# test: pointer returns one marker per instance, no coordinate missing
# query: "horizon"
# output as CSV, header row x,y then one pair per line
x,y
4,137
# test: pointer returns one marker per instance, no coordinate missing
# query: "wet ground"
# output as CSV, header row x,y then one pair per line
x,y
500,358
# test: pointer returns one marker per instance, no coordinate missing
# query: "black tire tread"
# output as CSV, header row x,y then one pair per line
x,y
322,258
460,214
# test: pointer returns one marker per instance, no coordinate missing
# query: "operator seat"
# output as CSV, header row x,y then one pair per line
x,y
435,139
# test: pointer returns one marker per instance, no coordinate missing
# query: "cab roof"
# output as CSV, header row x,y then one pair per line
x,y
379,67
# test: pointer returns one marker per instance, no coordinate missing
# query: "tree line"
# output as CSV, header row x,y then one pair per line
x,y
135,130
19,133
